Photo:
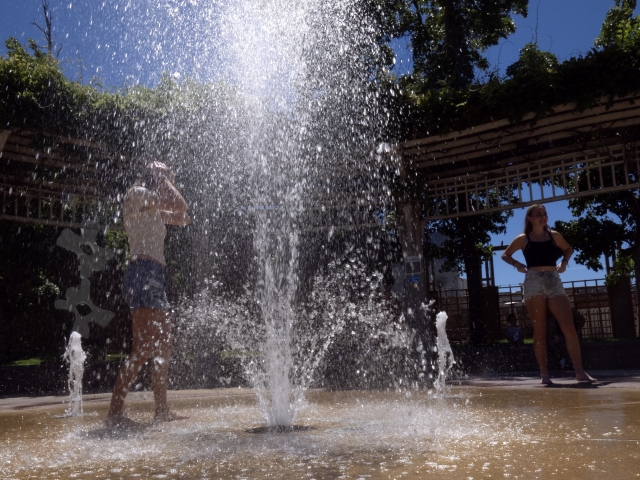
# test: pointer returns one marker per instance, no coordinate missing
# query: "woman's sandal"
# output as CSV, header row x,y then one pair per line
x,y
546,380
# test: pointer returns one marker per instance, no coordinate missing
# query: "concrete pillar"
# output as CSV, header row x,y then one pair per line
x,y
415,276
4,136
621,308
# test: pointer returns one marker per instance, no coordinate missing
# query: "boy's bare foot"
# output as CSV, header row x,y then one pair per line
x,y
585,377
169,416
546,380
122,423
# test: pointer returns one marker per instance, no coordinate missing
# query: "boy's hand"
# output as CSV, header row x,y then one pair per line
x,y
160,170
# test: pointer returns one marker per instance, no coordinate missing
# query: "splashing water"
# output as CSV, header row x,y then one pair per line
x,y
343,309
75,356
445,354
279,152
300,70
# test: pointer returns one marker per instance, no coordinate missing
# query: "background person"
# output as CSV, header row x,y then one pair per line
x,y
514,331
515,336
150,203
543,289
556,343
578,321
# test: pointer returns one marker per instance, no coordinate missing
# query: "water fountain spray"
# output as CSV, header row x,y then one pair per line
x,y
75,356
445,354
284,143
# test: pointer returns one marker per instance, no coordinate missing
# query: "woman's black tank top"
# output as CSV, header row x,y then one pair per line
x,y
541,254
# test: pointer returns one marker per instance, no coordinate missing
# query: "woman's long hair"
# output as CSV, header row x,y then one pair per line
x,y
527,224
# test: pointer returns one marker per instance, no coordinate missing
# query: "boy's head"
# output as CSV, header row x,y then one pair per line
x,y
512,319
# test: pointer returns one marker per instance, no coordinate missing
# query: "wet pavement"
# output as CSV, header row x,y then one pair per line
x,y
485,427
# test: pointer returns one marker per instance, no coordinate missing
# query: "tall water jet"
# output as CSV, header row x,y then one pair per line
x,y
300,65
75,357
278,155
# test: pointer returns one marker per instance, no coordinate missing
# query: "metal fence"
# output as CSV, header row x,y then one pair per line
x,y
589,297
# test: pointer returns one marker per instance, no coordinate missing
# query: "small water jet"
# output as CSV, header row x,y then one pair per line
x,y
445,355
75,357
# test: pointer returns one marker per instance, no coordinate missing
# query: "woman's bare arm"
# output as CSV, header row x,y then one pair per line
x,y
518,244
567,251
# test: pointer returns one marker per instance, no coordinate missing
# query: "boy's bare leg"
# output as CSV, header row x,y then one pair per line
x,y
140,353
160,369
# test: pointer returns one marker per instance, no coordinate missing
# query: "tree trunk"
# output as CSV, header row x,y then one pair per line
x,y
636,268
635,208
454,44
473,267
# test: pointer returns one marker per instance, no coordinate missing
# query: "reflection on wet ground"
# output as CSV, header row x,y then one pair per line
x,y
498,428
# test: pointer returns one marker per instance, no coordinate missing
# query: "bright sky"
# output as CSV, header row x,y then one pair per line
x,y
123,43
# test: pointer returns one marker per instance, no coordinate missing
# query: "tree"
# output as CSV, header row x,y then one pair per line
x,y
447,39
467,244
620,29
595,233
47,30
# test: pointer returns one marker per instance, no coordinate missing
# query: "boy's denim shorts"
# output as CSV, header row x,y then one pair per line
x,y
143,285
547,284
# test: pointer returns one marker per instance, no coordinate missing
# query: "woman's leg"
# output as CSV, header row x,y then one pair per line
x,y
140,353
537,308
561,308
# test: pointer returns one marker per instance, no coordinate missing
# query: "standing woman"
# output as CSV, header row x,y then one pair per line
x,y
150,203
543,289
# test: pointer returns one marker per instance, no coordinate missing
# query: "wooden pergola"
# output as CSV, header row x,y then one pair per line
x,y
67,183
494,166
490,167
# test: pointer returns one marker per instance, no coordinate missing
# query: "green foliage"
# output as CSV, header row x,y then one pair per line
x,y
447,40
613,69
28,280
594,233
622,266
33,273
537,82
34,91
533,64
117,241
35,95
28,362
620,29
448,36
591,237
466,238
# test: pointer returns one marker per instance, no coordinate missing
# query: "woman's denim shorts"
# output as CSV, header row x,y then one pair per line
x,y
143,285
547,284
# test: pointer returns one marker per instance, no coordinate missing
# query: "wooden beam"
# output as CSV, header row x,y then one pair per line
x,y
46,162
499,125
570,127
4,135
